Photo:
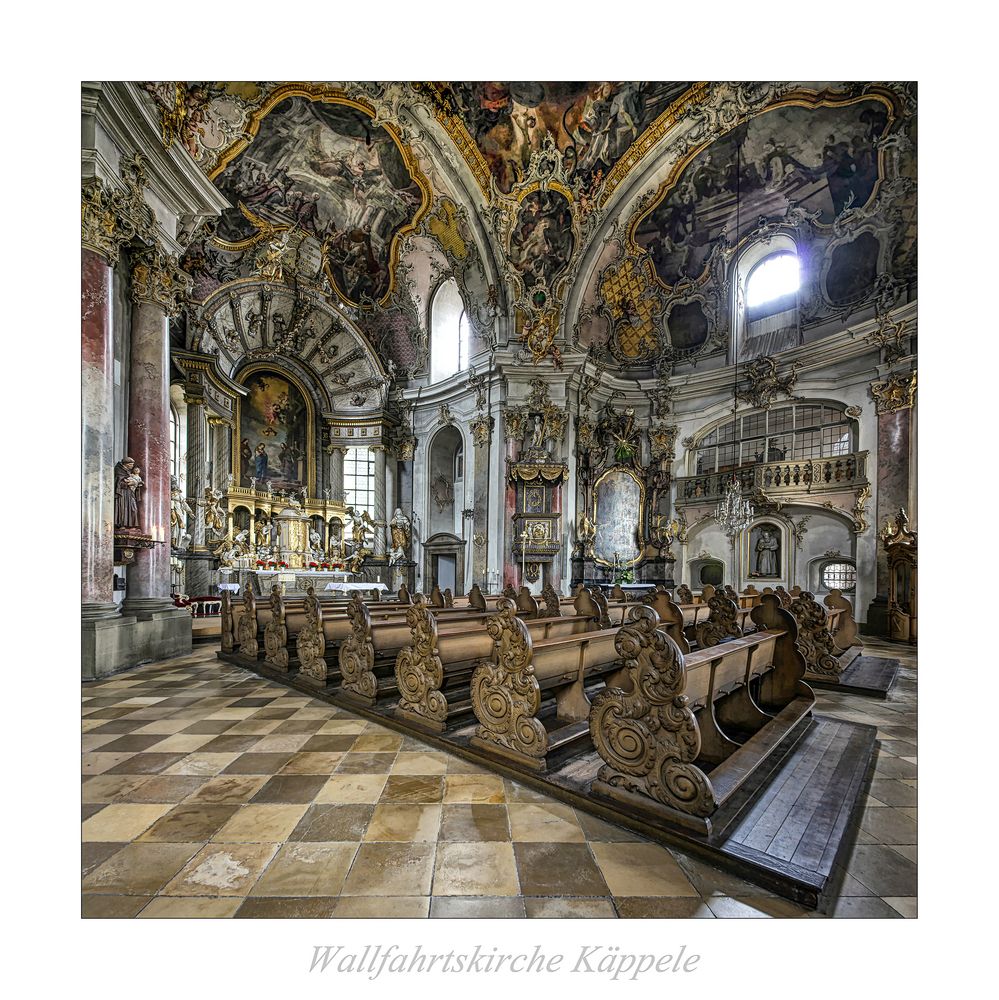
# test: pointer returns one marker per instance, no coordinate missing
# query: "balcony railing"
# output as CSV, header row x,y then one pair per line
x,y
812,475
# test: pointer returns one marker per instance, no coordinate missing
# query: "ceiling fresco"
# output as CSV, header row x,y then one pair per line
x,y
822,160
359,192
592,124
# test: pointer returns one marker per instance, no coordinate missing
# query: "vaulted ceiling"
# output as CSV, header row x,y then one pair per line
x,y
575,216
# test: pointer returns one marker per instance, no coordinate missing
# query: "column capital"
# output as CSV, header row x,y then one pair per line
x,y
158,279
112,217
896,392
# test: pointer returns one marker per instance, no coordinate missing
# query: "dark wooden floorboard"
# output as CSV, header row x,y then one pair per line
x,y
867,675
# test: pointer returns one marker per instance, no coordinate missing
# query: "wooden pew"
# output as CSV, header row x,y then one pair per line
x,y
680,735
433,671
371,647
825,658
507,690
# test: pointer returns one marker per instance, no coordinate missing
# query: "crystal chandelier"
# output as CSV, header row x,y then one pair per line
x,y
734,514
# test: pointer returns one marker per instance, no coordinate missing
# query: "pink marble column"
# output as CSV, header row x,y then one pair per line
x,y
97,488
148,579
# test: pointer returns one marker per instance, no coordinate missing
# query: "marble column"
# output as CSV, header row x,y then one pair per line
x,y
337,455
196,454
221,452
157,284
97,492
894,397
378,514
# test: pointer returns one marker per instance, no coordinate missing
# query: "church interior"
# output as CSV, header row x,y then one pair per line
x,y
499,499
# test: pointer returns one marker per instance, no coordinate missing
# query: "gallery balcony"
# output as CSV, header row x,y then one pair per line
x,y
784,478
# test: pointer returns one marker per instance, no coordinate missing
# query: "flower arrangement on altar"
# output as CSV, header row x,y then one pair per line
x,y
261,563
336,566
313,565
282,565
271,564
324,565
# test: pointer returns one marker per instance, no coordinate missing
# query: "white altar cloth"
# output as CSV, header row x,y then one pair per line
x,y
350,588
234,587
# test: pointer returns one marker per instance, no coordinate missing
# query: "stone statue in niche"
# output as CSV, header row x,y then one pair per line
x,y
127,483
315,546
399,528
262,532
180,509
765,543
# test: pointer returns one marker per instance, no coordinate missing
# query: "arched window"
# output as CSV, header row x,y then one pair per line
x,y
448,332
174,441
839,575
768,277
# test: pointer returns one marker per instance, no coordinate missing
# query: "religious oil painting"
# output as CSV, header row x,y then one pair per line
x,y
817,161
765,556
273,433
323,168
618,497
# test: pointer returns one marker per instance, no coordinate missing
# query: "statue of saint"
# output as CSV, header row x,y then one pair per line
x,y
127,482
215,515
180,509
767,548
399,530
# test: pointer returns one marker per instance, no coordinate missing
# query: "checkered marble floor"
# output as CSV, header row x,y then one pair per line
x,y
210,792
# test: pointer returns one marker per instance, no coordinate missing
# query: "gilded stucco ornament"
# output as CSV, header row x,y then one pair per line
x,y
114,216
765,384
158,279
897,392
481,429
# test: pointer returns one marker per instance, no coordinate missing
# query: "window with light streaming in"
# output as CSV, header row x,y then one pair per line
x,y
774,279
448,333
839,575
359,479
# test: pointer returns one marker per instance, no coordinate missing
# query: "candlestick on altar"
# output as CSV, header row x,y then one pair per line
x,y
523,556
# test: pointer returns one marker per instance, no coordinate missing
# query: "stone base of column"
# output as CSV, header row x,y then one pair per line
x,y
94,611
199,576
113,644
144,606
877,618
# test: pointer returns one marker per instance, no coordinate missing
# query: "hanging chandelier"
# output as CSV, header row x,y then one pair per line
x,y
734,513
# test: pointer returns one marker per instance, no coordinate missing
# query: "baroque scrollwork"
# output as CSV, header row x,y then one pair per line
x,y
897,392
647,735
418,669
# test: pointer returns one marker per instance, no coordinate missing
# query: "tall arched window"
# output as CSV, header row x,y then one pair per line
x,y
359,479
448,332
768,278
174,440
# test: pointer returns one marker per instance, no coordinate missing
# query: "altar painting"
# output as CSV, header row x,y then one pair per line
x,y
273,433
617,514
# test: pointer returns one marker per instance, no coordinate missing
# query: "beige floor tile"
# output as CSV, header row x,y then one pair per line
x,y
283,743
202,763
550,822
352,788
182,743
377,743
391,870
474,788
306,870
222,870
106,787
164,727
484,869
312,763
98,763
227,789
94,741
261,824
140,869
401,907
191,906
123,821
232,713
641,870
420,763
342,727
252,727
406,823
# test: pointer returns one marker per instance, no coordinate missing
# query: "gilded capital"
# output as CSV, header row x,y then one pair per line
x,y
158,279
111,216
897,392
